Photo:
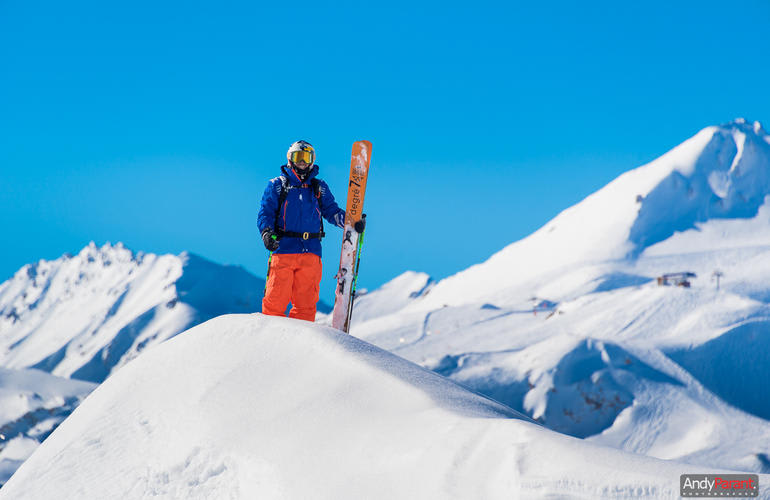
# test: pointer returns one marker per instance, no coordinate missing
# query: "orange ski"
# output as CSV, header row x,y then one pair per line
x,y
351,240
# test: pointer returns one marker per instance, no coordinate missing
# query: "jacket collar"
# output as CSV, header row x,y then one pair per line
x,y
288,172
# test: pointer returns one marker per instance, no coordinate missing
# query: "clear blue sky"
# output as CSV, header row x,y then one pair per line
x,y
158,124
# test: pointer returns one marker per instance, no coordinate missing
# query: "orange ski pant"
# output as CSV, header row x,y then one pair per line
x,y
295,278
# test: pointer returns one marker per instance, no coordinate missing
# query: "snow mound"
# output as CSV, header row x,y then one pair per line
x,y
249,406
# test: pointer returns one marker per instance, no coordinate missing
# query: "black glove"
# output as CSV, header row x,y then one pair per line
x,y
360,225
270,239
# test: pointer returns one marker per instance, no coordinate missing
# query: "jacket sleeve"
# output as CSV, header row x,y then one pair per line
x,y
268,208
329,208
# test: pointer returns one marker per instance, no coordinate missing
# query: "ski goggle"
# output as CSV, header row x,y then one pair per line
x,y
298,156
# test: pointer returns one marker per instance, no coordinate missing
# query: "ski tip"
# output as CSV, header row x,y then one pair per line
x,y
363,144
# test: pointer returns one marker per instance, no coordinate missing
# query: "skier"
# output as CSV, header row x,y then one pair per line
x,y
291,225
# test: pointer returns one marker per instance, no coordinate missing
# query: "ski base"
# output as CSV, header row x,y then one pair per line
x,y
346,275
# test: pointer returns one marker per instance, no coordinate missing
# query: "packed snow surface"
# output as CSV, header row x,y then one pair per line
x,y
249,406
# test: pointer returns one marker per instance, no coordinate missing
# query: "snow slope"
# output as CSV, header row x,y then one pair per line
x,y
249,406
86,315
570,327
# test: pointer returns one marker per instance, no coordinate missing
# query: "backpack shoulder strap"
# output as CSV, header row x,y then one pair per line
x,y
281,197
316,185
284,187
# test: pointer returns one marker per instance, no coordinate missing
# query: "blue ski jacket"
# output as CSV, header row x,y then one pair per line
x,y
301,211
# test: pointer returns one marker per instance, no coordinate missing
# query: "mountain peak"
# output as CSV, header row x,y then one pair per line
x,y
107,250
727,177
745,126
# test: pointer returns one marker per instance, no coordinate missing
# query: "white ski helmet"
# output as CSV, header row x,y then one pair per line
x,y
301,151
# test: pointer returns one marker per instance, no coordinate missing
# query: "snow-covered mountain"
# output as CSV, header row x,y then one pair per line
x,y
571,327
84,316
720,173
250,406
